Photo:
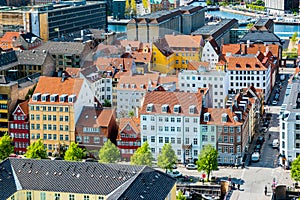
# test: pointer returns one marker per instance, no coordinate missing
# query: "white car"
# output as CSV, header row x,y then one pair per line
x,y
255,157
274,103
174,174
191,166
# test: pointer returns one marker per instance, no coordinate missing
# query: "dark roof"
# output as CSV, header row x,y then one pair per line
x,y
29,37
163,46
62,47
261,36
117,181
31,57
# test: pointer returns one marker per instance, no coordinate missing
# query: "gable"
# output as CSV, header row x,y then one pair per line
x,y
18,111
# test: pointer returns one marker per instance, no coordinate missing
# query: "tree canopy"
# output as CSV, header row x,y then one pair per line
x,y
109,153
294,37
36,150
180,196
74,153
142,156
167,158
208,160
6,147
295,170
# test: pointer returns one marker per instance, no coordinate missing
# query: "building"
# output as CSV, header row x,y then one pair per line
x,y
264,24
163,5
8,101
51,21
55,108
173,118
94,127
281,7
220,31
82,180
19,128
118,9
131,90
289,124
150,27
129,138
211,52
264,37
199,75
19,40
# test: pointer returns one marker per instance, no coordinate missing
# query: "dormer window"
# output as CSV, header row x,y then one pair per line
x,y
237,65
206,117
53,97
235,118
127,85
45,97
72,98
239,115
142,86
224,117
192,109
165,108
248,66
257,66
121,85
63,98
177,109
150,107
133,86
36,97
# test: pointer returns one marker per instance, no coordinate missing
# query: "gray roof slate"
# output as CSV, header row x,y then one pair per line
x,y
62,47
262,36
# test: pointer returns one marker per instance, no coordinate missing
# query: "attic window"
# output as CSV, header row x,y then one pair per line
x,y
239,114
192,109
127,85
72,98
150,107
165,108
133,86
53,97
63,98
36,97
121,85
257,66
206,117
224,117
248,66
237,65
142,86
44,97
177,109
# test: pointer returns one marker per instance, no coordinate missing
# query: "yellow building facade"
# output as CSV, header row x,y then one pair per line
x,y
161,62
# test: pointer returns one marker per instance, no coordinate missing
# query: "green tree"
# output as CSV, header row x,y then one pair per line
x,y
36,150
142,156
180,196
167,158
208,160
295,170
145,4
250,25
74,153
127,8
6,147
294,37
133,7
209,2
109,153
131,114
30,93
106,103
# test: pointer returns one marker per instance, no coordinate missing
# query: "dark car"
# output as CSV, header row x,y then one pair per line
x,y
260,140
257,148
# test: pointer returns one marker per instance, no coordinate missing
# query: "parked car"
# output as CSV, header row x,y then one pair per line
x,y
274,102
174,174
260,140
191,166
275,143
255,157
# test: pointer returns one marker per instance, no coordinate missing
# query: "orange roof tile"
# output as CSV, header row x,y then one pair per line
x,y
247,63
194,65
105,117
216,117
168,79
24,107
138,80
134,123
73,72
186,41
185,100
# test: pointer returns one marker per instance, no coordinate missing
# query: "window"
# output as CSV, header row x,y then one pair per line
x,y
144,118
61,118
144,138
225,129
178,120
54,117
71,197
144,127
231,139
225,138
178,152
166,119
195,152
204,129
187,120
67,137
66,118
160,119
178,129
86,197
152,128
28,196
152,118
212,138
187,129
56,196
195,130
160,128
178,140
44,117
66,109
204,138
187,140
166,128
160,140
172,140
195,141
152,139
100,198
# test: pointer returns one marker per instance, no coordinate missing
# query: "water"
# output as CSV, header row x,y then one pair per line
x,y
117,28
280,30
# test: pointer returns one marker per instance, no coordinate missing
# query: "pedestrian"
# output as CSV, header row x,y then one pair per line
x,y
238,186
266,190
269,135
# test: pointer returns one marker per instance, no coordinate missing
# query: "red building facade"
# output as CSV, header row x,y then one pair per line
x,y
129,138
19,128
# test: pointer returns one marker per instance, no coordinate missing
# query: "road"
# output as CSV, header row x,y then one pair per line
x,y
257,175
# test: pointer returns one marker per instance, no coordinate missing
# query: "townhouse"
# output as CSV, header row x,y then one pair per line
x,y
211,52
131,90
200,75
173,118
19,40
19,128
82,180
129,136
54,109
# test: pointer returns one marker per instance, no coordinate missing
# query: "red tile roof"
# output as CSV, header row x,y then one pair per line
x,y
216,117
134,123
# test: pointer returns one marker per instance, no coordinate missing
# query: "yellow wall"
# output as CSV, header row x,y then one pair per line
x,y
36,195
162,63
44,29
172,194
186,56
41,122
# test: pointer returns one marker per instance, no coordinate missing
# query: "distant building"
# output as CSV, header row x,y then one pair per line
x,y
281,7
19,40
129,138
261,37
19,128
149,28
118,9
8,100
264,24
211,52
289,123
82,180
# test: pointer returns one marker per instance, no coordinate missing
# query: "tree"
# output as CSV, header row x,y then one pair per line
x,y
250,25
180,196
36,150
167,158
145,4
109,153
106,103
6,147
127,8
294,37
142,156
131,114
208,160
295,170
209,2
133,7
74,153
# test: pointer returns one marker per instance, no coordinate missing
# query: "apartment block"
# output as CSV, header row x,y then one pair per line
x,y
19,128
281,7
54,109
